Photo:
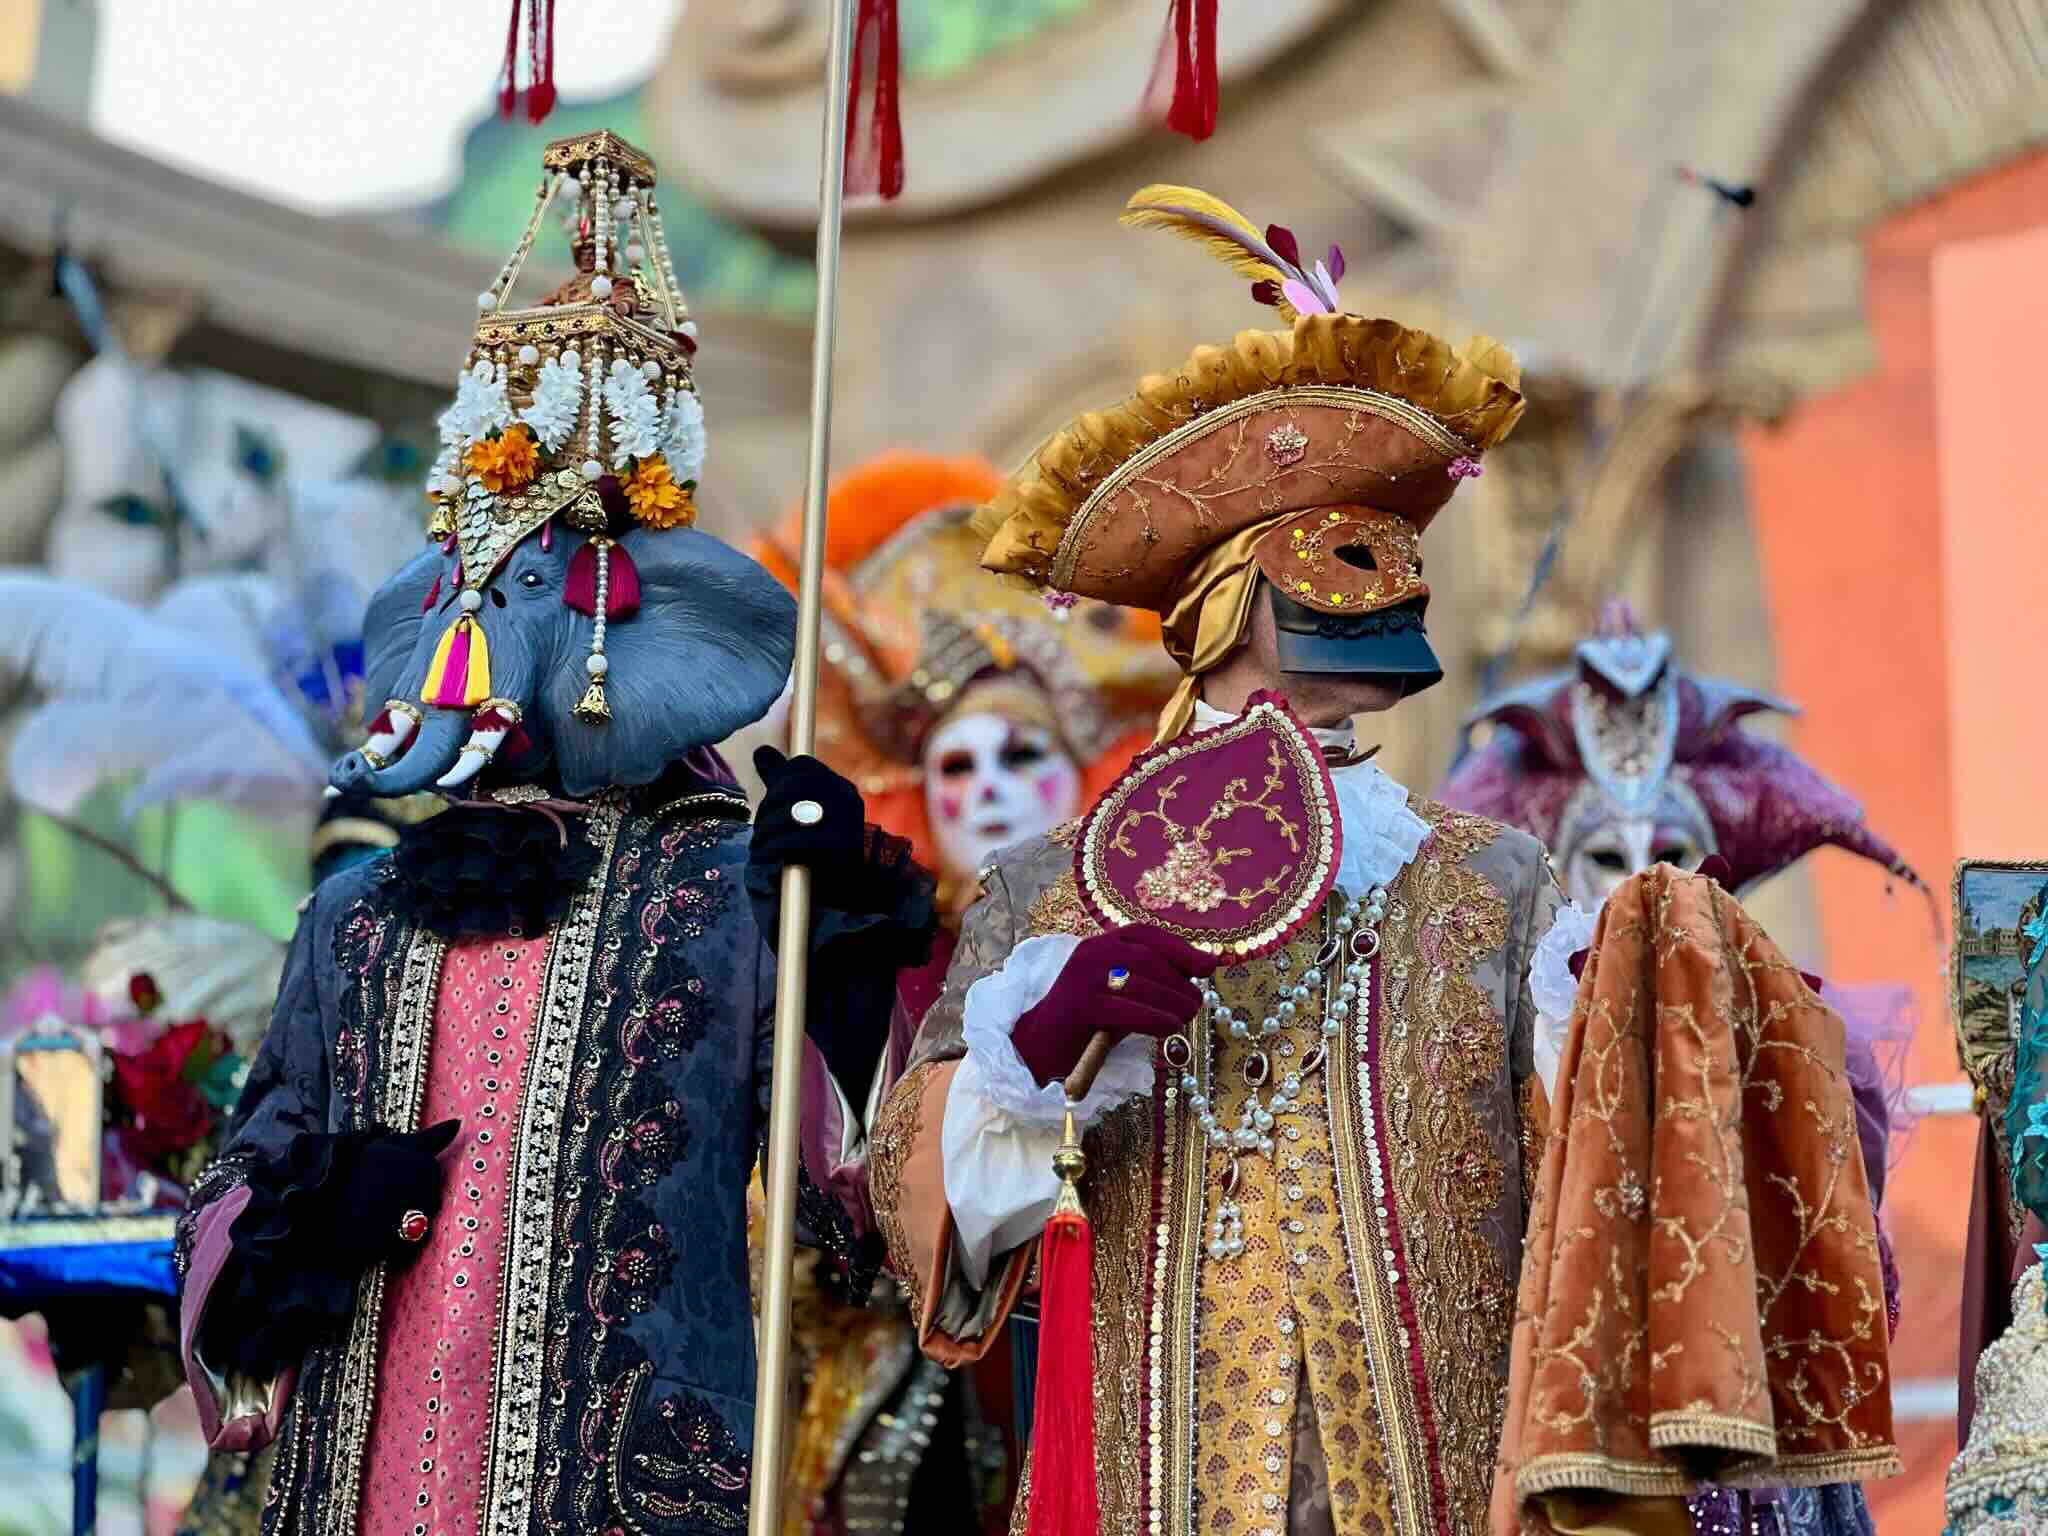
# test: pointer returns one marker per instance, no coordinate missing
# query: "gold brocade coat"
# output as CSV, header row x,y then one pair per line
x,y
1346,1374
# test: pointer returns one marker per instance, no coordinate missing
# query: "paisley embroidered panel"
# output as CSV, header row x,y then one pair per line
x,y
1227,837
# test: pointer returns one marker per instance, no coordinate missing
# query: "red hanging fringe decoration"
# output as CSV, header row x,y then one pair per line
x,y
874,123
433,594
1064,1501
579,586
540,62
621,585
508,77
1188,45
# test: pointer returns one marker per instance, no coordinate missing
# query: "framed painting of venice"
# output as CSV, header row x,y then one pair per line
x,y
1994,901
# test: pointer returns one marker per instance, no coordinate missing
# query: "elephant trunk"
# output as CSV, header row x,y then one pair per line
x,y
433,753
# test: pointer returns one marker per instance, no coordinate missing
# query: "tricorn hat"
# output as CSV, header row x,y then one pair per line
x,y
1314,458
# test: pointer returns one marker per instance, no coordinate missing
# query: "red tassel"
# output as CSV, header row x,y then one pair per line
x,y
874,123
433,595
1189,43
579,587
1063,1495
381,725
622,586
508,82
516,743
540,64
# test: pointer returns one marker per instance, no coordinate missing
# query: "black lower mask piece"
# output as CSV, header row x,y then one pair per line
x,y
1390,643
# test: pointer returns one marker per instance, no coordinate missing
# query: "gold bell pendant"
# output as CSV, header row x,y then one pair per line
x,y
592,709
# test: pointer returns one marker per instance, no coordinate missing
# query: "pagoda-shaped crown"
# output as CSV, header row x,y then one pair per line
x,y
583,404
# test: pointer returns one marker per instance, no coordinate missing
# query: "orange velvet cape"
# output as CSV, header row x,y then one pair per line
x,y
1701,1297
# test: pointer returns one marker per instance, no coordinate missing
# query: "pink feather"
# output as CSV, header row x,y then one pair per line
x,y
1304,300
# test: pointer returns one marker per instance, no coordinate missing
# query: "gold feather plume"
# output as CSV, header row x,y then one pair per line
x,y
1218,228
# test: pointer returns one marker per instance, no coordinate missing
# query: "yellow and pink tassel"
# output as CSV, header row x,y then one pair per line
x,y
460,676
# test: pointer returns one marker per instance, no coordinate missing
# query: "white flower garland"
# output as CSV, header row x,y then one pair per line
x,y
557,400
635,413
479,408
682,435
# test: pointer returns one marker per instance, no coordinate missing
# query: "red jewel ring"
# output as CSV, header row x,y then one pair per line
x,y
412,1226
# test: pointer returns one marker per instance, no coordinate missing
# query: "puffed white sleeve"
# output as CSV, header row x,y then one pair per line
x,y
1002,1125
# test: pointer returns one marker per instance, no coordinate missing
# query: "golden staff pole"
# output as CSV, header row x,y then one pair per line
x,y
785,1111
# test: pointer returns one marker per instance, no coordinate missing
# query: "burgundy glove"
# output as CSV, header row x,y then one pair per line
x,y
1157,997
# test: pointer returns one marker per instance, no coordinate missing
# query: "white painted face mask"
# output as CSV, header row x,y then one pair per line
x,y
989,782
1624,846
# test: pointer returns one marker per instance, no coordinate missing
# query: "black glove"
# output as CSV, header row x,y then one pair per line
x,y
393,1176
329,1209
831,845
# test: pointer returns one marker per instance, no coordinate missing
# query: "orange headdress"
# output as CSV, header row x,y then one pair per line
x,y
914,629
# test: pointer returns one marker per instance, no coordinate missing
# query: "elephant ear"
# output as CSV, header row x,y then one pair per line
x,y
707,653
391,628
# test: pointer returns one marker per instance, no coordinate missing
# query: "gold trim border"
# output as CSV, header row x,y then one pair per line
x,y
1339,397
81,1231
1348,1100
1313,872
398,1098
530,1220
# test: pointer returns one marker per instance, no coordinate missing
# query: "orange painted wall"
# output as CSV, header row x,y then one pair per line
x,y
1892,575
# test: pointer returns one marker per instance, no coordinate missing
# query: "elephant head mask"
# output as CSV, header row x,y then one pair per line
x,y
703,651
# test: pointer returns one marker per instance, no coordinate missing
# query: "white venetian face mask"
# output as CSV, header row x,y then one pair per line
x,y
989,782
1597,848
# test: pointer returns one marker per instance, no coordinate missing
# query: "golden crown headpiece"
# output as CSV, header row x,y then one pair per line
x,y
582,406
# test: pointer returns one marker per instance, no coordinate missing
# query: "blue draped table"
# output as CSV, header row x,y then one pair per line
x,y
66,1257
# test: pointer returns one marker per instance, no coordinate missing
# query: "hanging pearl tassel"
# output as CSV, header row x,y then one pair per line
x,y
592,709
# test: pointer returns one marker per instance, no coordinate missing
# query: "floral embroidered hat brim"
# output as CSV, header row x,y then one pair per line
x,y
1314,458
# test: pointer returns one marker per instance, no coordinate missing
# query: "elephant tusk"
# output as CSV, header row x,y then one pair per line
x,y
400,720
492,723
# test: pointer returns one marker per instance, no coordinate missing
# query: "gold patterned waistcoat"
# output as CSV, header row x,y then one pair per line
x,y
1340,1366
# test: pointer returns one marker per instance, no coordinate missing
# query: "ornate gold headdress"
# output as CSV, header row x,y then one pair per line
x,y
581,407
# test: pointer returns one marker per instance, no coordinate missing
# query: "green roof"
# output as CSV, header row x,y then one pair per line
x,y
948,37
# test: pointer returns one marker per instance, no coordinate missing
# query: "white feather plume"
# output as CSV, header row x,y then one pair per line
x,y
204,967
128,694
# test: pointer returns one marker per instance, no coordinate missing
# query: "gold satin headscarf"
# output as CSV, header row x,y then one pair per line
x,y
1210,616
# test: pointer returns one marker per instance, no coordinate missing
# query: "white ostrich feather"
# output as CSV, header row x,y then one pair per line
x,y
128,694
204,967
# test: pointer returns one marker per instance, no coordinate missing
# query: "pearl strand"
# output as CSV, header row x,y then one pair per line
x,y
593,466
601,284
1256,1123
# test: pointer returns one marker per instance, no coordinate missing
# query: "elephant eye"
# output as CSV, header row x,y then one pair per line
x,y
529,578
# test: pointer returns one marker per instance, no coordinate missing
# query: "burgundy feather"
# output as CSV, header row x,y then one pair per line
x,y
1266,291
1282,240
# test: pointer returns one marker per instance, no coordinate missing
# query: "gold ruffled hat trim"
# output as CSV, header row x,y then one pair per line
x,y
1472,396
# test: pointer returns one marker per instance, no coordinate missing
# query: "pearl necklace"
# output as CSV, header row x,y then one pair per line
x,y
1356,930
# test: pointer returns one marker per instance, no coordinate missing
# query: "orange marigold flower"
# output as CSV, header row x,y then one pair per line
x,y
505,462
656,499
